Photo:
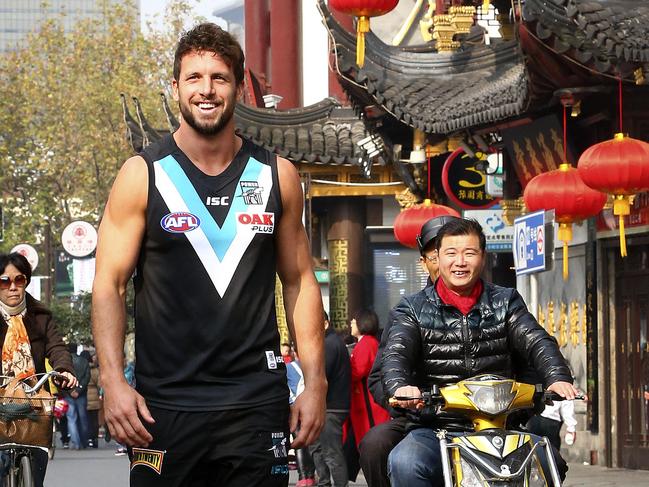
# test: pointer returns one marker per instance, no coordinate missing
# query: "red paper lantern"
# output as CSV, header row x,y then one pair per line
x,y
408,223
619,167
572,201
363,9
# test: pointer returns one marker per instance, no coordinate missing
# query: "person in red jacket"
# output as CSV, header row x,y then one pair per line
x,y
365,412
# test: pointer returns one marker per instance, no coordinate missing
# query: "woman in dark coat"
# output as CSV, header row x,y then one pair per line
x,y
28,336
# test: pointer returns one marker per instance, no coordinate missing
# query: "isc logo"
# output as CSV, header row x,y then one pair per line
x,y
179,222
257,222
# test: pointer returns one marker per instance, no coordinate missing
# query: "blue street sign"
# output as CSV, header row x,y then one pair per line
x,y
529,243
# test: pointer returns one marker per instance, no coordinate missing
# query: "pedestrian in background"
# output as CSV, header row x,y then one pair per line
x,y
550,421
77,400
327,451
365,413
94,400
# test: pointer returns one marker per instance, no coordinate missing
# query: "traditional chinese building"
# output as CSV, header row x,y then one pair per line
x,y
506,93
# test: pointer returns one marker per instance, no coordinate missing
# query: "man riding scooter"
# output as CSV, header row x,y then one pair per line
x,y
460,327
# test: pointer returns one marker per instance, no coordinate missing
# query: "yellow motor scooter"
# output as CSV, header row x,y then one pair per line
x,y
491,456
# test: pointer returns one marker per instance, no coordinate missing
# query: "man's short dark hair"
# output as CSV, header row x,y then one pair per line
x,y
461,226
209,37
367,322
19,261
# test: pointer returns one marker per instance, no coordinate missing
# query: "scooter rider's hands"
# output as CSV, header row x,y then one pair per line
x,y
308,415
123,408
564,389
410,392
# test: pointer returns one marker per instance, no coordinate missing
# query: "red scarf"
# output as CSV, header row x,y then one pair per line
x,y
462,303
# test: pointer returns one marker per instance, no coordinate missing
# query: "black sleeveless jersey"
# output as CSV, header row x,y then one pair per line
x,y
206,334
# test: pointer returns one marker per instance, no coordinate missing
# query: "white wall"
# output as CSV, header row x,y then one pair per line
x,y
315,62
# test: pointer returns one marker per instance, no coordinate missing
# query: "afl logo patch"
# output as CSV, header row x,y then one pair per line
x,y
180,222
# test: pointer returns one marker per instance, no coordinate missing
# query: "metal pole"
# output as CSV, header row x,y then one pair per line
x,y
47,298
534,295
446,470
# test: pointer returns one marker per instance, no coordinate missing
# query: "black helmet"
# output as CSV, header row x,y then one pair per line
x,y
429,230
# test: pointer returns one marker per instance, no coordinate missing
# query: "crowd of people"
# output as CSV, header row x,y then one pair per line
x,y
351,409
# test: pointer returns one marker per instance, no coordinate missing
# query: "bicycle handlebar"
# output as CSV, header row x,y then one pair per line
x,y
52,374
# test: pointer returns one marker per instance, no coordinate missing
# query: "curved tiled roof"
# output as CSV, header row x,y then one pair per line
x,y
438,93
323,133
602,34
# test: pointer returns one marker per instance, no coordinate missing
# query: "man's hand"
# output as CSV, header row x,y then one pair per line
x,y
407,391
564,389
308,415
646,395
123,408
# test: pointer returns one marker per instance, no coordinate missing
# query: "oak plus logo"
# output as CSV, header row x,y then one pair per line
x,y
180,222
257,222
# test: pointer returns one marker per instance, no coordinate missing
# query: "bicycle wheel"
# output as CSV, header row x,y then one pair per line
x,y
25,477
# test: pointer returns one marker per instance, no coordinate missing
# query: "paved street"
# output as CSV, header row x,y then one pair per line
x,y
101,468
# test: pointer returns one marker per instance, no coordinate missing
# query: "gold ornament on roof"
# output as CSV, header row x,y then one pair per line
x,y
406,199
462,18
443,32
512,209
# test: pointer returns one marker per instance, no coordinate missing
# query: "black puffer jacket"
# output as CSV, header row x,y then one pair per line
x,y
433,343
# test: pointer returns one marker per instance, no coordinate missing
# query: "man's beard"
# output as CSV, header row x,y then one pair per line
x,y
212,127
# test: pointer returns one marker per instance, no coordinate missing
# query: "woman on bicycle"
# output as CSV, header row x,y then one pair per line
x,y
28,336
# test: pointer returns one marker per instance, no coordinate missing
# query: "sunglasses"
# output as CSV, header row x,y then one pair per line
x,y
20,281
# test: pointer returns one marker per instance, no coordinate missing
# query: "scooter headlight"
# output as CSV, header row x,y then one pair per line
x,y
492,399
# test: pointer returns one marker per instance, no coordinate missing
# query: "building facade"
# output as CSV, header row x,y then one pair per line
x,y
20,17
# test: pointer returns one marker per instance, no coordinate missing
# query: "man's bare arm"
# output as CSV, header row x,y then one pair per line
x,y
120,235
303,305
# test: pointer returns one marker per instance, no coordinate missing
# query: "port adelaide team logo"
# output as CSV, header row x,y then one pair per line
x,y
180,222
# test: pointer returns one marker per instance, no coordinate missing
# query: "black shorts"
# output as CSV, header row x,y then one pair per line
x,y
244,447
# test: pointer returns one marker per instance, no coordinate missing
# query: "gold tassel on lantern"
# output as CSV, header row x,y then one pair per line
x,y
362,28
622,208
565,235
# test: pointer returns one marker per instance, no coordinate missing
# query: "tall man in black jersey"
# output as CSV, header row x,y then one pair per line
x,y
205,219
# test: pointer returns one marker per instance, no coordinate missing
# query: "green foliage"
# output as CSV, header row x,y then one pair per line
x,y
73,316
63,137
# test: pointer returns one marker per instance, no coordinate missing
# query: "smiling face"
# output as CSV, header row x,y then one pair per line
x,y
206,92
461,261
14,295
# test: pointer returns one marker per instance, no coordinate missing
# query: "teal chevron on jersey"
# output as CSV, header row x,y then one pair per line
x,y
220,238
